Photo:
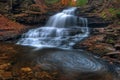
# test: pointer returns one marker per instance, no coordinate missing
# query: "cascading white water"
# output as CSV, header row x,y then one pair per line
x,y
61,31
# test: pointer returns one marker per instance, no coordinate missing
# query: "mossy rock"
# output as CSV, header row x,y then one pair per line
x,y
82,2
51,1
118,14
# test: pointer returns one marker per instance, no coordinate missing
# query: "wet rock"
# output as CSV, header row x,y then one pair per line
x,y
111,35
112,53
112,57
95,44
97,23
98,31
90,41
101,49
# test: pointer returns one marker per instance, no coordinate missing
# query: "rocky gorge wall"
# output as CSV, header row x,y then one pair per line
x,y
13,13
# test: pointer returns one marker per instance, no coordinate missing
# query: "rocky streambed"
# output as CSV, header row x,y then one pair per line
x,y
25,63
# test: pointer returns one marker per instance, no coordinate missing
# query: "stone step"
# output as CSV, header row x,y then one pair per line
x,y
96,22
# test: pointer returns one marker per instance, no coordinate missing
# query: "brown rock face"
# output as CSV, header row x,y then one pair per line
x,y
30,12
9,29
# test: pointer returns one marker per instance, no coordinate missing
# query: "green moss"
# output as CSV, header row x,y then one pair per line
x,y
118,23
51,1
81,2
103,15
114,12
110,14
110,41
118,14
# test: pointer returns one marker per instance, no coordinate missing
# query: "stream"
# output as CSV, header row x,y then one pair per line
x,y
53,48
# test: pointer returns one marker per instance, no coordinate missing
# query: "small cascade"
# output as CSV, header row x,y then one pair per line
x,y
62,30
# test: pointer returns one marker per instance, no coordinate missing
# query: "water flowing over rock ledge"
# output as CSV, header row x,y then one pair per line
x,y
58,31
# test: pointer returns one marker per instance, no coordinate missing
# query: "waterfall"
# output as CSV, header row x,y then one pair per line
x,y
61,30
